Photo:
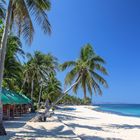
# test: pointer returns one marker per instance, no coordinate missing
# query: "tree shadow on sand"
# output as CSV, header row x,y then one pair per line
x,y
73,125
71,117
84,137
33,133
18,121
125,126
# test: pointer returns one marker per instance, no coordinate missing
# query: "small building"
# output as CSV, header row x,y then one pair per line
x,y
14,104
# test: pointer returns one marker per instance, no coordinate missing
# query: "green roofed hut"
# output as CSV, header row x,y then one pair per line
x,y
14,104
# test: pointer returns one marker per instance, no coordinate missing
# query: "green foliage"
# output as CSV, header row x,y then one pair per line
x,y
42,69
39,68
53,88
72,100
13,67
23,14
86,101
38,74
2,11
86,69
35,106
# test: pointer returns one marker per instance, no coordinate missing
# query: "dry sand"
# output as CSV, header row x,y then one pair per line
x,y
23,129
93,125
82,123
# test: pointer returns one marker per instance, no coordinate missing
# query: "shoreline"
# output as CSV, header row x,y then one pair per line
x,y
94,108
116,113
75,123
90,124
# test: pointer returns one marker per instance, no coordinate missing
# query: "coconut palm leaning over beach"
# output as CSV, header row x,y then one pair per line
x,y
18,16
86,70
84,74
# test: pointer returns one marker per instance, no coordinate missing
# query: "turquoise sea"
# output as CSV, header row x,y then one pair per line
x,y
121,109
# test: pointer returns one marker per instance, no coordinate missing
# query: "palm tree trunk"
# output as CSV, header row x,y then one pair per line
x,y
85,95
3,47
40,93
32,91
24,81
63,95
84,88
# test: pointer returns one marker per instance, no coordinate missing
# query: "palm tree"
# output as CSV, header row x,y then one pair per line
x,y
85,69
13,67
2,10
53,87
18,16
84,73
52,91
38,68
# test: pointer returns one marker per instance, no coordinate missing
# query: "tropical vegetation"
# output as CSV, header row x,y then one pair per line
x,y
85,70
36,76
19,18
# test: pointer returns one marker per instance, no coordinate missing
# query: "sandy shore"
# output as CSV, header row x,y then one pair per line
x,y
22,129
93,125
75,123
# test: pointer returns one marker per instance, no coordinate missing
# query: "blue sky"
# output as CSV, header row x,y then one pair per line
x,y
112,27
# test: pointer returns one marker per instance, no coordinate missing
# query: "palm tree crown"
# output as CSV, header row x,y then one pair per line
x,y
23,13
2,10
85,71
13,67
38,68
52,87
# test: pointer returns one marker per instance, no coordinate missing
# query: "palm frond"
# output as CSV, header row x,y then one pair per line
x,y
75,88
101,68
67,64
97,89
100,79
2,9
70,76
98,59
23,21
86,52
38,10
89,84
86,66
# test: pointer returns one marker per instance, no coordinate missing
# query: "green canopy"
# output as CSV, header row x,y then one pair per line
x,y
6,100
26,98
11,97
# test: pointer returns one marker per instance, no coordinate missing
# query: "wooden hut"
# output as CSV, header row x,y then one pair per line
x,y
14,104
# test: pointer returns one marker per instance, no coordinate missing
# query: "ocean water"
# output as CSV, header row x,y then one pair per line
x,y
121,109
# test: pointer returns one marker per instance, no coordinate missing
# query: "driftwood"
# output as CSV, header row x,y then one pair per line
x,y
37,118
41,117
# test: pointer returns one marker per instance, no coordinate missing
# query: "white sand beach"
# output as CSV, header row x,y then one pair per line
x,y
82,123
23,129
93,125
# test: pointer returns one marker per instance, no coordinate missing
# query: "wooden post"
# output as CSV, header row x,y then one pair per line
x,y
8,111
